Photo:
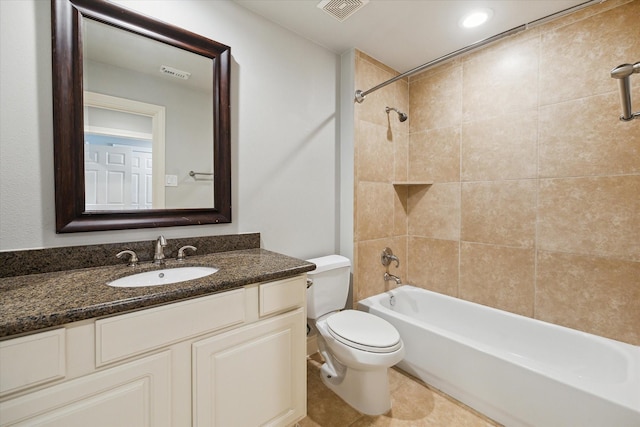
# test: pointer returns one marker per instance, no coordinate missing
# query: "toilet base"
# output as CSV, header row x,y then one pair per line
x,y
365,391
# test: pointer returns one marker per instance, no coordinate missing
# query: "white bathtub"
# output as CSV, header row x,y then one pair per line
x,y
516,370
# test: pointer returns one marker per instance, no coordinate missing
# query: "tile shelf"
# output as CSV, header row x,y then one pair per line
x,y
411,183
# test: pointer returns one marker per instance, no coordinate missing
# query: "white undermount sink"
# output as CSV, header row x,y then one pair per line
x,y
162,277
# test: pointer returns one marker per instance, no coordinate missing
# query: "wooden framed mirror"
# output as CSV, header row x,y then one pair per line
x,y
202,144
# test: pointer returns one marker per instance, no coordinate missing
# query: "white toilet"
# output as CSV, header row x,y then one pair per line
x,y
358,347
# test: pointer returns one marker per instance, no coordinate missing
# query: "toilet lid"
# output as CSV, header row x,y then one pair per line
x,y
364,331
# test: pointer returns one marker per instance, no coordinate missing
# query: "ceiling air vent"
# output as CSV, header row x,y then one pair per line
x,y
164,69
341,9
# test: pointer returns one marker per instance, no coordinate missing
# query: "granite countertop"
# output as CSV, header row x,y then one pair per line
x,y
39,301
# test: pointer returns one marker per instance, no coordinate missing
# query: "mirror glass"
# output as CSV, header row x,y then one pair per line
x,y
141,121
127,165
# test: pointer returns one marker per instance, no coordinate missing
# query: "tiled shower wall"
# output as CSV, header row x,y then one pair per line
x,y
535,201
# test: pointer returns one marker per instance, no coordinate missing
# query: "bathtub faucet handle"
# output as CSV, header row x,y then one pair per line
x,y
388,256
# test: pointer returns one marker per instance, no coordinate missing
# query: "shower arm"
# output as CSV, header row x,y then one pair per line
x,y
623,74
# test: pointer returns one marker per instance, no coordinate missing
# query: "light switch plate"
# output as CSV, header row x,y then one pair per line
x,y
171,180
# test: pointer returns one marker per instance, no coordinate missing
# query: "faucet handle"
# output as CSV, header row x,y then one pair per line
x,y
181,255
388,256
133,260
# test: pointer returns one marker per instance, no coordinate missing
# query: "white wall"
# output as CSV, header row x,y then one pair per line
x,y
284,130
346,155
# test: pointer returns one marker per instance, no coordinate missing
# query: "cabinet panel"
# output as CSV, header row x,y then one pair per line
x,y
31,360
252,376
130,334
134,394
282,295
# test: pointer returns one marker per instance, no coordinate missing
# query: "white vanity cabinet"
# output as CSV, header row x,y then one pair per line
x,y
136,393
248,377
235,358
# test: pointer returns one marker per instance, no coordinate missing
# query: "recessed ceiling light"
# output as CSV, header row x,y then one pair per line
x,y
475,18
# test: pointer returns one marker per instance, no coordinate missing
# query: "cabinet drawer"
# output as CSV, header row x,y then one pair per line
x,y
282,295
123,336
32,360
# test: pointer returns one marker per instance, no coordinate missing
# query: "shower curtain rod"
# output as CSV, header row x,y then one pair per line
x,y
360,95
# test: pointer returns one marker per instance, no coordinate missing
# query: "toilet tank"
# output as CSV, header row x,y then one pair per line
x,y
330,287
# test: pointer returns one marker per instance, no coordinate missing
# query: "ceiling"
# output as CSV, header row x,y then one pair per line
x,y
111,46
403,34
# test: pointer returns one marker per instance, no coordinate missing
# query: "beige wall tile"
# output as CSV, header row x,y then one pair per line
x,y
372,61
576,59
510,142
498,276
446,66
375,154
596,295
433,265
582,14
372,109
434,155
400,218
374,210
380,153
434,211
503,147
401,148
435,101
370,269
501,81
499,212
595,142
592,216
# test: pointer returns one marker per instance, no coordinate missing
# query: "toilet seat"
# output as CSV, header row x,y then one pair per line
x,y
364,331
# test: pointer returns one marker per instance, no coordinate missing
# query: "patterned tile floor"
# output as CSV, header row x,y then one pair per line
x,y
413,404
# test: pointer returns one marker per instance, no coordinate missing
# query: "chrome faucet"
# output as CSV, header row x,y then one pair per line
x,y
158,257
133,260
181,256
388,277
387,257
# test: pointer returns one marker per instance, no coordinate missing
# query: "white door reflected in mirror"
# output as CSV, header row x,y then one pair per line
x,y
124,154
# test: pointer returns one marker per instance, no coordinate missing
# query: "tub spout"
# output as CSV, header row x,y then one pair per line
x,y
388,277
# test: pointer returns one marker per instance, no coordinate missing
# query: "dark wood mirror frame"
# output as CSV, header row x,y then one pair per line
x,y
69,129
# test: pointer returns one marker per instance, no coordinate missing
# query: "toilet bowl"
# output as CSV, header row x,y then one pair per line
x,y
358,347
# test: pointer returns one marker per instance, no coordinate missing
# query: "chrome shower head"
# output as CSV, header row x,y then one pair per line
x,y
623,73
401,116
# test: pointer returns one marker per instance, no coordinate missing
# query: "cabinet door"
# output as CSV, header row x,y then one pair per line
x,y
134,394
252,376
